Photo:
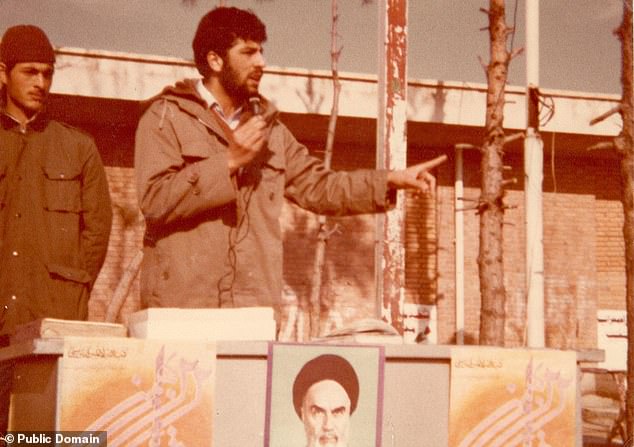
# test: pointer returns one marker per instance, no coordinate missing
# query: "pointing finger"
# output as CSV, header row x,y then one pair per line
x,y
433,162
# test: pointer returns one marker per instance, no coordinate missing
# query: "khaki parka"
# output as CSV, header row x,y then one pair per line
x,y
55,220
214,239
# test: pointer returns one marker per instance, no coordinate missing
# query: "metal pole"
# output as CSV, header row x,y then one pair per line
x,y
533,174
392,154
459,248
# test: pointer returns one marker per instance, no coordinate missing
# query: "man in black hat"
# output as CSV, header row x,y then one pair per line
x,y
325,394
55,212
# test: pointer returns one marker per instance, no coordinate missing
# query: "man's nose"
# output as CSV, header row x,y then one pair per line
x,y
41,80
327,423
260,61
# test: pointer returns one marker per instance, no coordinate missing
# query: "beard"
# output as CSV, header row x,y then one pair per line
x,y
326,441
236,88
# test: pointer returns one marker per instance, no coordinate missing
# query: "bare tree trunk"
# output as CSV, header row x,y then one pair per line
x,y
491,205
123,288
625,146
323,232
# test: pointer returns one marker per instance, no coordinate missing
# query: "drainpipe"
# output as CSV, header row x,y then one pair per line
x,y
459,244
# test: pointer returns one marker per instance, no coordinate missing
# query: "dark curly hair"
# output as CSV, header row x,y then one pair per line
x,y
218,30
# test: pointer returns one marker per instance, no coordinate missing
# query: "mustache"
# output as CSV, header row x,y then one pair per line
x,y
38,95
256,74
328,438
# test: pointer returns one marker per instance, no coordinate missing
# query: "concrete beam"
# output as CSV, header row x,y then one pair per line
x,y
126,76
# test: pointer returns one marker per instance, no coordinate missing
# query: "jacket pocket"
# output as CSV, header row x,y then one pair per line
x,y
73,274
195,150
62,188
272,185
274,165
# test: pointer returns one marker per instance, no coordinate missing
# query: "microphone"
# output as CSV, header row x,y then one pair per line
x,y
255,105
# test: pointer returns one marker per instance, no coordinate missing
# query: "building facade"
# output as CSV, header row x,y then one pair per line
x,y
101,92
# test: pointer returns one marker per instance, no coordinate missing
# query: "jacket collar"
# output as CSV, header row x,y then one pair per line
x,y
184,94
37,123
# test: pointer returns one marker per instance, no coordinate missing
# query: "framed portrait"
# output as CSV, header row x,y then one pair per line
x,y
321,394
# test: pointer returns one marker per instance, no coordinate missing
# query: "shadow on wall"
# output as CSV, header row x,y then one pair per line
x,y
421,250
469,339
348,287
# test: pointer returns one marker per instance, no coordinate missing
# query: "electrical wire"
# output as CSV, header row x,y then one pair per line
x,y
548,104
236,236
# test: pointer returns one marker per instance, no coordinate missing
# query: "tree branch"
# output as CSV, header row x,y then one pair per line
x,y
466,146
516,52
484,66
513,137
602,146
606,115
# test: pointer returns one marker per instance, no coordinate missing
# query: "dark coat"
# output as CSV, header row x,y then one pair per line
x,y
55,220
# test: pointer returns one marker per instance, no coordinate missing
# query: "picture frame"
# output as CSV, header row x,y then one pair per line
x,y
289,362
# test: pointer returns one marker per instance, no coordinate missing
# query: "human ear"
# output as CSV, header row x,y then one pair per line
x,y
3,74
214,61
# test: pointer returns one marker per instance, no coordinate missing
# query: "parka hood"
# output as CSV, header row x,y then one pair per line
x,y
184,93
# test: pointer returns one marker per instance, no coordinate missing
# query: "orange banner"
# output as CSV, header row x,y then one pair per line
x,y
512,397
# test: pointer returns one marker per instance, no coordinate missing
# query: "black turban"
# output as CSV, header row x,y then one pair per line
x,y
326,367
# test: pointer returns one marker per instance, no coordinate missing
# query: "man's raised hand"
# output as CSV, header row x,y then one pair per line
x,y
416,177
248,141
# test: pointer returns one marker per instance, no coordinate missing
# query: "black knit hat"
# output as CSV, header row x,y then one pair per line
x,y
25,43
326,367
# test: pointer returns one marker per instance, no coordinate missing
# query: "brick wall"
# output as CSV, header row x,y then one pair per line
x,y
583,250
570,273
125,241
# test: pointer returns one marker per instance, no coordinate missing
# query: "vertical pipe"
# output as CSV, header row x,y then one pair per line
x,y
533,174
392,154
459,247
